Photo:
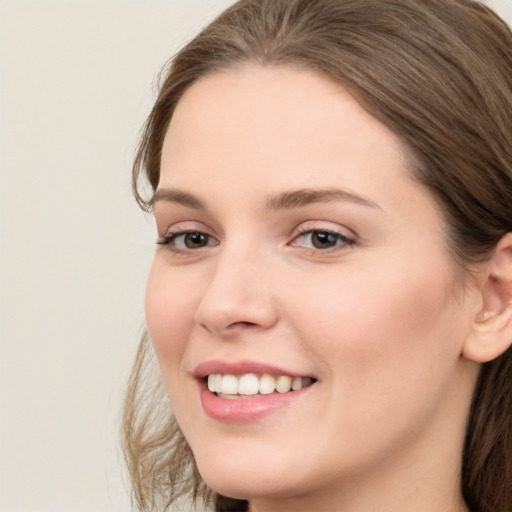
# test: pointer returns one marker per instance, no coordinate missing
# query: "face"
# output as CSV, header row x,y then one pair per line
x,y
295,249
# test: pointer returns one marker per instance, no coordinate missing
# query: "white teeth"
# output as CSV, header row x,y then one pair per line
x,y
228,397
249,384
211,383
297,383
229,385
267,384
217,383
283,384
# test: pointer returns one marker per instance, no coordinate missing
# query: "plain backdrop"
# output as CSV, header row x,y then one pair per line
x,y
76,82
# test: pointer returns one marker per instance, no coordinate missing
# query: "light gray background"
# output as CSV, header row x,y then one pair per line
x,y
75,86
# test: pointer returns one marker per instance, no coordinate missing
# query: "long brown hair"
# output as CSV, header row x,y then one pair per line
x,y
436,72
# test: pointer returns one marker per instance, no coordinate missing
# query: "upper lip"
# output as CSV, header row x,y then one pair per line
x,y
242,367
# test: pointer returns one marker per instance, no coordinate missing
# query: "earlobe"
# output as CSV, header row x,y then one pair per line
x,y
491,333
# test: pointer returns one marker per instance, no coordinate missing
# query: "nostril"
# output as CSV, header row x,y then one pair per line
x,y
232,327
243,324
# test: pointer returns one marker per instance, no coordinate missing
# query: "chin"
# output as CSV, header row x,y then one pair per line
x,y
246,478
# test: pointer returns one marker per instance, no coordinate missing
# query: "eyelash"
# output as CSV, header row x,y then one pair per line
x,y
341,240
340,237
169,239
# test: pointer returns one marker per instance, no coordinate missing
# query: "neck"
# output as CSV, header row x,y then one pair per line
x,y
402,490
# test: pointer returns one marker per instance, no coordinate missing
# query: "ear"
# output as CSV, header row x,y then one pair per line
x,y
491,333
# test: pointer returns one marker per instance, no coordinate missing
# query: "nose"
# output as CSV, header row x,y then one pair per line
x,y
238,297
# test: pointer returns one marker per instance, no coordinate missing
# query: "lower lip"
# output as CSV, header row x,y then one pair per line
x,y
246,410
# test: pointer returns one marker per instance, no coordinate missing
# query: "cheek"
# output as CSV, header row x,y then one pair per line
x,y
376,333
388,353
169,318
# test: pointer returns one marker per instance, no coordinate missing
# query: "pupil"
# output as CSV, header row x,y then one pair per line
x,y
194,240
323,240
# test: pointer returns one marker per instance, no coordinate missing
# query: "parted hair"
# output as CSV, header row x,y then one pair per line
x,y
438,73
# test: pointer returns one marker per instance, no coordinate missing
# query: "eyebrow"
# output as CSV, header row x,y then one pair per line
x,y
306,196
285,200
172,195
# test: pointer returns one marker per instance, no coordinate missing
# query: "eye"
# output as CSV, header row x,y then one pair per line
x,y
321,239
187,240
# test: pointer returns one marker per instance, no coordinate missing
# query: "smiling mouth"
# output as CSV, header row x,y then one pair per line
x,y
251,385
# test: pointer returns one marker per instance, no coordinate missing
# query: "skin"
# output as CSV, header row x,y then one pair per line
x,y
381,322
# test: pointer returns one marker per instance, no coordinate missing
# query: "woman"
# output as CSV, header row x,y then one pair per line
x,y
330,302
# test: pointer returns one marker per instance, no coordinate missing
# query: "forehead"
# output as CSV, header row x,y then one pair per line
x,y
281,118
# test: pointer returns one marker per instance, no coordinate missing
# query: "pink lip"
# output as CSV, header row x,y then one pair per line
x,y
247,409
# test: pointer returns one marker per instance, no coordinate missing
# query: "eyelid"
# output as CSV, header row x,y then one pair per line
x,y
170,227
324,225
